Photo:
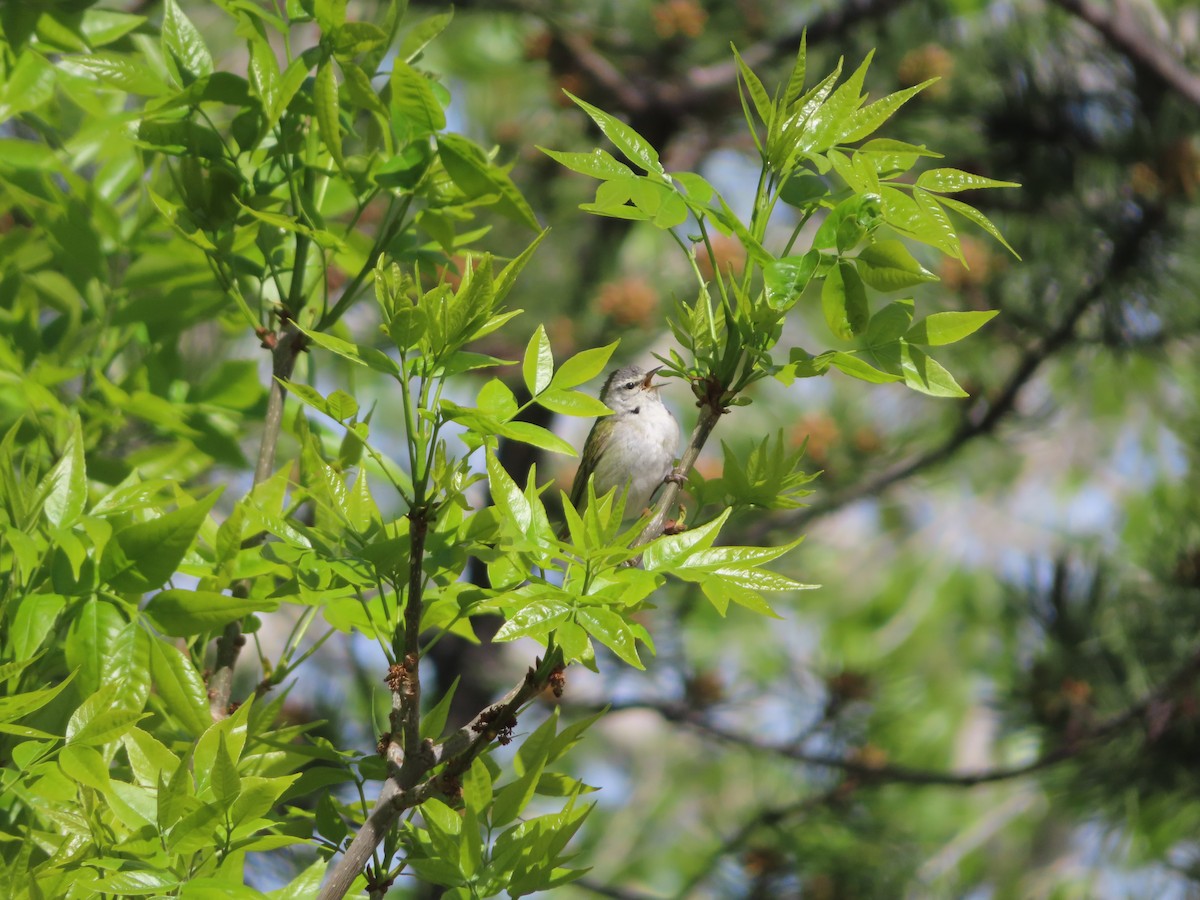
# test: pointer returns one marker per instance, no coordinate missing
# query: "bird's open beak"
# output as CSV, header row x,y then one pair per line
x,y
646,385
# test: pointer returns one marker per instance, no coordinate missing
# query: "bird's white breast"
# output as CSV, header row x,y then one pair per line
x,y
641,452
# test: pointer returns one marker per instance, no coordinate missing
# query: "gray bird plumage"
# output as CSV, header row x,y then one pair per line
x,y
635,447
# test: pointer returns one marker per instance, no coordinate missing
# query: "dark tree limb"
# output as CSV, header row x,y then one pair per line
x,y
411,784
1117,23
870,773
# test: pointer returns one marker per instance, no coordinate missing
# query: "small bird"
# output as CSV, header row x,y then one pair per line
x,y
634,448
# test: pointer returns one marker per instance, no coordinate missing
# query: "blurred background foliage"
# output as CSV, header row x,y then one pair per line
x,y
1007,578
994,693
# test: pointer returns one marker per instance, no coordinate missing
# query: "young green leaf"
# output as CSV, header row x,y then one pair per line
x,y
636,148
948,327
181,41
537,368
183,613
598,164
925,374
844,301
856,367
888,266
951,181
583,366
329,124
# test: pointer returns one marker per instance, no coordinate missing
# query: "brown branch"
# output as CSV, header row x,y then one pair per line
x,y
710,414
410,686
1118,26
289,343
404,787
871,773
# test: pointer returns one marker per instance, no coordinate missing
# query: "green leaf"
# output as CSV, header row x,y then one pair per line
x,y
889,323
477,787
598,164
636,148
361,354
538,365
509,498
338,405
182,691
414,103
354,38
844,301
611,630
17,706
263,72
795,85
100,719
925,374
126,665
758,94
121,72
84,765
226,782
433,723
476,177
974,215
65,486
863,122
951,181
537,436
535,620
785,279
181,40
948,327
856,367
573,403
183,613
529,763
497,400
418,37
671,550
329,123
699,191
330,14
888,266
920,216
140,557
35,616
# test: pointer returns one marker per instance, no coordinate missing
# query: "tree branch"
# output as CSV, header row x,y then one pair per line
x,y
874,774
1118,26
289,343
710,414
404,788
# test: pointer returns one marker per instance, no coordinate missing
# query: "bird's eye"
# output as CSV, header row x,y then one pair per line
x,y
630,385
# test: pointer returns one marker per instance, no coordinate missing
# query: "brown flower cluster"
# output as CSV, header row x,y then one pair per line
x,y
679,17
629,301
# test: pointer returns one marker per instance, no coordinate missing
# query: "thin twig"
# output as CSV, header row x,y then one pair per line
x,y
874,774
709,416
404,788
289,344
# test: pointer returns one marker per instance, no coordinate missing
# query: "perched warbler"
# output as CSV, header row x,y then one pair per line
x,y
634,448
